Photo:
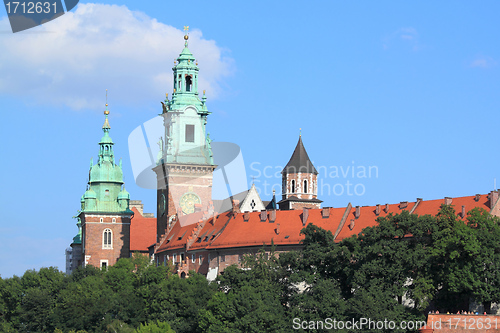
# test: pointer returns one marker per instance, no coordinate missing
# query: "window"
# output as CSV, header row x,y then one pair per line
x,y
293,185
222,258
182,256
188,83
104,264
193,258
180,82
174,258
114,220
106,193
200,259
101,220
305,186
107,239
164,260
189,133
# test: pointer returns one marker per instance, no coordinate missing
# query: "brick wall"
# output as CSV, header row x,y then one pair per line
x,y
93,230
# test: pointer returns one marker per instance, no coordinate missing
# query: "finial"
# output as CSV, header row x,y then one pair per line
x,y
253,180
166,95
204,92
300,132
106,112
186,36
174,90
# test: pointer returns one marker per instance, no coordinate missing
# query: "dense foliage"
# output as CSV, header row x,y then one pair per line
x,y
397,270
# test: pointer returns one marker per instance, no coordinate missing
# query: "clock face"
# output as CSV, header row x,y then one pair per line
x,y
162,204
188,201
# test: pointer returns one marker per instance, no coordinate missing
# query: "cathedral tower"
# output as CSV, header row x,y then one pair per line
x,y
299,181
105,215
184,172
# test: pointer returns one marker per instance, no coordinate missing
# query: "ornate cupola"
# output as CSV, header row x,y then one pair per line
x,y
105,178
299,181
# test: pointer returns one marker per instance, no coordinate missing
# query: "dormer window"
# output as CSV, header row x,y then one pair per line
x,y
189,83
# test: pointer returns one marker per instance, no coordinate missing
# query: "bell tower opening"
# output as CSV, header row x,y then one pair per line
x,y
189,83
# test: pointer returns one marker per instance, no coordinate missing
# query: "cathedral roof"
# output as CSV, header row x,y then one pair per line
x,y
233,230
300,162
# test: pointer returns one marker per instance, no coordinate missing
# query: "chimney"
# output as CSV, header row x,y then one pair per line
x,y
351,225
325,212
277,229
377,209
305,215
357,212
246,216
447,200
272,215
386,209
463,211
403,204
493,198
197,207
236,207
477,197
263,216
213,220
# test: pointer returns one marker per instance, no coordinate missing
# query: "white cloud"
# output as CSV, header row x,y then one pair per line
x,y
407,35
70,61
483,62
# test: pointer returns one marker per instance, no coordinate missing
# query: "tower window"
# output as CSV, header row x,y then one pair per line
x,y
107,239
114,220
101,220
180,82
189,83
305,186
189,133
106,192
293,185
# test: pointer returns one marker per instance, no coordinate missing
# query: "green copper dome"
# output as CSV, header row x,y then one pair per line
x,y
89,194
105,194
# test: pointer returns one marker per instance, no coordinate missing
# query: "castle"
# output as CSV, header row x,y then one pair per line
x,y
190,230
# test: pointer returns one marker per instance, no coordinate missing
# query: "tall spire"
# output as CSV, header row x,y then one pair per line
x,y
106,144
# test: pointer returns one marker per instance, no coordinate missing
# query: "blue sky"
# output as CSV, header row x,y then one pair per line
x,y
411,89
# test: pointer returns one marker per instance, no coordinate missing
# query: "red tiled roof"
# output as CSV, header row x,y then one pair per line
x,y
142,232
230,230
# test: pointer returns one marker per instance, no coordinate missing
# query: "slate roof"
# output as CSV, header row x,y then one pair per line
x,y
300,162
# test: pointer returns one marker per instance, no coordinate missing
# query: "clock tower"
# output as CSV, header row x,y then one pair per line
x,y
184,171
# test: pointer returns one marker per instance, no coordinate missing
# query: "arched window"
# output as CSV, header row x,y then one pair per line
x,y
188,83
293,185
305,186
107,239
